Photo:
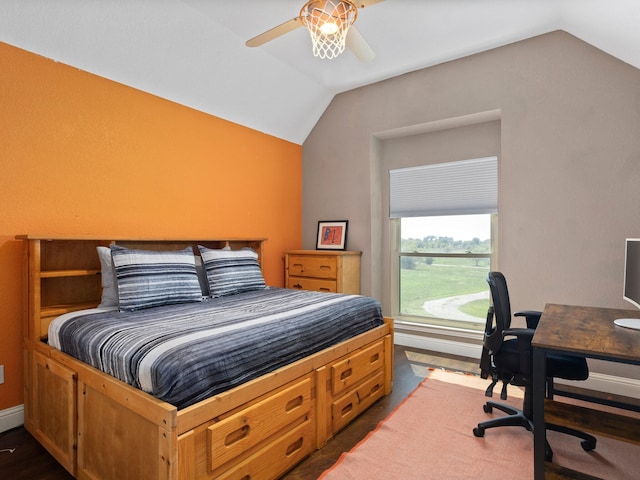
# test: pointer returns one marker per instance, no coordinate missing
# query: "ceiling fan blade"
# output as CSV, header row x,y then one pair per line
x,y
359,46
366,3
273,33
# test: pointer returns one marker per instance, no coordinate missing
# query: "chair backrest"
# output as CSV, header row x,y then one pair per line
x,y
501,309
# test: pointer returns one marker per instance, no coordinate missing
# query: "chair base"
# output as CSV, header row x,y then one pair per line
x,y
516,418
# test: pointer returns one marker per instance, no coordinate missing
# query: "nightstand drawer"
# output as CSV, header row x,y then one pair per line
x,y
323,271
313,284
312,266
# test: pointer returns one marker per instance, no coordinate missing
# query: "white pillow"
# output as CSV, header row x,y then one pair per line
x,y
109,293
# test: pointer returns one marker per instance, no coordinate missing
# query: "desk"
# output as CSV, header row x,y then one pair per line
x,y
588,332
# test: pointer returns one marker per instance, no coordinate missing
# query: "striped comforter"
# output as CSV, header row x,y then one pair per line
x,y
185,353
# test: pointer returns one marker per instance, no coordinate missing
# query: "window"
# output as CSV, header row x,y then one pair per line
x,y
444,223
443,263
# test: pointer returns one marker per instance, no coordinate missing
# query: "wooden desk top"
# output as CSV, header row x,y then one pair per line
x,y
588,331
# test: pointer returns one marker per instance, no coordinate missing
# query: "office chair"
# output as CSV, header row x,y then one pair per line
x,y
507,356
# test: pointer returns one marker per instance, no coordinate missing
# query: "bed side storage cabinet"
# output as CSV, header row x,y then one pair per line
x,y
51,415
60,276
323,271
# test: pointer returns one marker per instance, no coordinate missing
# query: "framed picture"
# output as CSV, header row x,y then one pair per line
x,y
332,235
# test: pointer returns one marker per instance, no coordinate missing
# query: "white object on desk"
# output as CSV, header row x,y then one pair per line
x,y
628,323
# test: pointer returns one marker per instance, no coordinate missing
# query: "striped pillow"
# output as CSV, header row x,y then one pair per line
x,y
231,271
149,279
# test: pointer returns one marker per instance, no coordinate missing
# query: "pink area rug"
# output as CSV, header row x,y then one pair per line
x,y
429,436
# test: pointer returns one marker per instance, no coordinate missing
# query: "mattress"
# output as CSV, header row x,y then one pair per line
x,y
185,353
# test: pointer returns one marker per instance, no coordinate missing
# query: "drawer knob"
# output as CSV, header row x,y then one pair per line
x,y
346,374
297,285
236,435
294,447
346,410
293,403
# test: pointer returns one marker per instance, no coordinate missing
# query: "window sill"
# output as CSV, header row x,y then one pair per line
x,y
421,327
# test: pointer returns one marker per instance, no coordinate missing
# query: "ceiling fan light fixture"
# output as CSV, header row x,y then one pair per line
x,y
328,23
329,28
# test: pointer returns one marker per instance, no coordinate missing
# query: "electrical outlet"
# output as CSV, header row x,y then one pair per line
x,y
1,373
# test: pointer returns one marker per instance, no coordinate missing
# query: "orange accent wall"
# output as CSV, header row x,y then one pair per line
x,y
84,155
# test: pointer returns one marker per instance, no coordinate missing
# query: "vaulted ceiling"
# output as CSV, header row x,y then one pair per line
x,y
193,51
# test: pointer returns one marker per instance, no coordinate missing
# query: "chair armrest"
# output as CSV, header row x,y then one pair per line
x,y
525,351
525,334
532,317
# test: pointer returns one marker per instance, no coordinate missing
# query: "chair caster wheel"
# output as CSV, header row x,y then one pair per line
x,y
478,432
587,446
487,408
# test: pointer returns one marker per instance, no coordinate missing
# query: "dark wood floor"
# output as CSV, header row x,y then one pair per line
x,y
30,461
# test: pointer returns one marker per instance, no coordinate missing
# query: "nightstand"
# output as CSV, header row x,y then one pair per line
x,y
323,270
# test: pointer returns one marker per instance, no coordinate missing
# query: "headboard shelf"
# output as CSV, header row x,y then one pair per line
x,y
57,310
62,274
68,273
120,239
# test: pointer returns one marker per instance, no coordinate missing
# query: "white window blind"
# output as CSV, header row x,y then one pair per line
x,y
457,188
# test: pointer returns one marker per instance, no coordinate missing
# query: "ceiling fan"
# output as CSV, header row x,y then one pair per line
x,y
330,23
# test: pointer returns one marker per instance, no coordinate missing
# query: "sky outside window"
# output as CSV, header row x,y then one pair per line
x,y
459,227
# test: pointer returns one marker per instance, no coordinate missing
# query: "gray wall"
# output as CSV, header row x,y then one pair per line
x,y
564,119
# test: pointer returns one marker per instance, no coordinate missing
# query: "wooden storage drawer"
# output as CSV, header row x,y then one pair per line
x,y
348,372
349,406
313,266
323,271
244,430
276,458
313,284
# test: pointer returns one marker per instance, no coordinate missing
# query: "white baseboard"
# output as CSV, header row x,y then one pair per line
x,y
450,347
11,418
597,382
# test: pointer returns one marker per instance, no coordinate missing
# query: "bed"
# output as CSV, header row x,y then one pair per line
x,y
245,424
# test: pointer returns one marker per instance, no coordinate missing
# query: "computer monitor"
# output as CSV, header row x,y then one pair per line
x,y
631,291
632,271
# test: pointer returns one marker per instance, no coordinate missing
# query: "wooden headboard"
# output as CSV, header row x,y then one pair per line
x,y
62,274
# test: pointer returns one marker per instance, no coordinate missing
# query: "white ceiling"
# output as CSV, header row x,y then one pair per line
x,y
193,52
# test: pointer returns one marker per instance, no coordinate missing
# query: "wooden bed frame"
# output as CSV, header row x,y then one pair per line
x,y
98,427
